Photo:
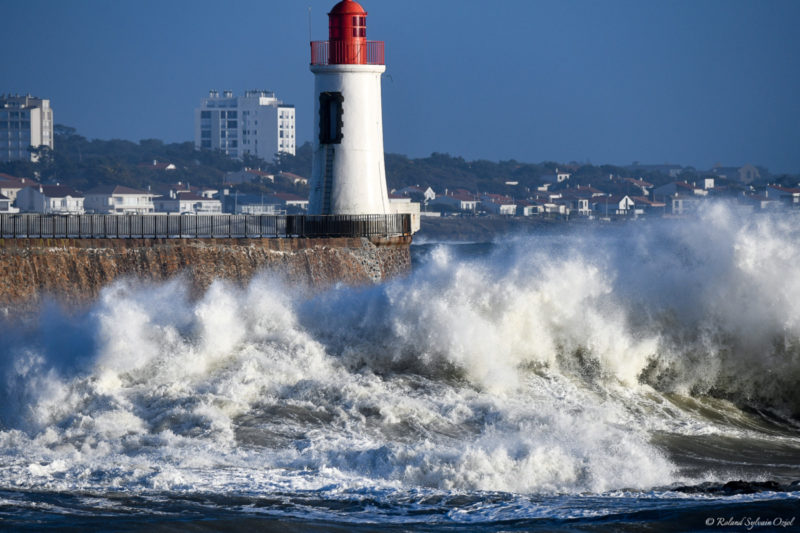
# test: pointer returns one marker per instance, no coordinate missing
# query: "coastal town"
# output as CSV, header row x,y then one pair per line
x,y
255,167
555,197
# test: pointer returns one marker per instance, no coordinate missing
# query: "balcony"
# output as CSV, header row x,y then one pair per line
x,y
347,53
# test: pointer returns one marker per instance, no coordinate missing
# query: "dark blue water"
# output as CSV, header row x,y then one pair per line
x,y
612,378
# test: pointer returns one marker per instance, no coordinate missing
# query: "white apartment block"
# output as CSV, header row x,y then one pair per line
x,y
25,121
256,123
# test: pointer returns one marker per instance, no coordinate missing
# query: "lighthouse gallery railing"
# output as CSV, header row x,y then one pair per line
x,y
37,226
368,52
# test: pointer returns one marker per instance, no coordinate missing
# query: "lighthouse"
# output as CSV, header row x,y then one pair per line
x,y
348,175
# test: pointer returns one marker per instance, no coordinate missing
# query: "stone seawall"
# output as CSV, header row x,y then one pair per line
x,y
73,271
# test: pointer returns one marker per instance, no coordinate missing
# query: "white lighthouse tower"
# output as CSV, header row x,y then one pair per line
x,y
348,175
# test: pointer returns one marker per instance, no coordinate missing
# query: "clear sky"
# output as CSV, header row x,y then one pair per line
x,y
682,81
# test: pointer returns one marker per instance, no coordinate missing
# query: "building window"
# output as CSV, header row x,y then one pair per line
x,y
205,134
330,117
205,114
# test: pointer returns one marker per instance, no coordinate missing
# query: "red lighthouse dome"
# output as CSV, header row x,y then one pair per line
x,y
347,33
347,42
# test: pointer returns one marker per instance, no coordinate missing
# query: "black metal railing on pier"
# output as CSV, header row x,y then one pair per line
x,y
36,226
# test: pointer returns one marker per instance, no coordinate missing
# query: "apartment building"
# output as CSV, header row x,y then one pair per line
x,y
25,121
256,123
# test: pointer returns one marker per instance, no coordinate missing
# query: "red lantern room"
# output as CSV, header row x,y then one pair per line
x,y
347,32
347,39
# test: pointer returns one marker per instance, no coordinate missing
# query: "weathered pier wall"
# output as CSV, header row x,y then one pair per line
x,y
73,271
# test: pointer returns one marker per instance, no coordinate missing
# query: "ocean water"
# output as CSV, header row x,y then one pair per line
x,y
626,377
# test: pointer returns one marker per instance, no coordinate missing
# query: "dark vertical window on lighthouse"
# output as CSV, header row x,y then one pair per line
x,y
330,117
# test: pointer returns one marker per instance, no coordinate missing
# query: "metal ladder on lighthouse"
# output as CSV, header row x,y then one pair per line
x,y
328,181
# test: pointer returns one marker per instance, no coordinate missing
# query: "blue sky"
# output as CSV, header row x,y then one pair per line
x,y
681,81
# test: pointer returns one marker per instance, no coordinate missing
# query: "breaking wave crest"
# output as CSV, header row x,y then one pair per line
x,y
545,366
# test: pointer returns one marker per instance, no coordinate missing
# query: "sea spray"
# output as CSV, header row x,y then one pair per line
x,y
547,366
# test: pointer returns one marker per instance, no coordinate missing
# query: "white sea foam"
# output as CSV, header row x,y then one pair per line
x,y
537,369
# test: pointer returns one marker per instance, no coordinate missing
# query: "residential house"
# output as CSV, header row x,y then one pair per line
x,y
417,194
458,200
498,204
292,178
587,191
577,203
187,203
208,192
558,177
683,204
677,188
11,185
644,186
5,206
645,206
606,206
50,199
557,207
760,201
530,208
551,203
786,195
239,203
745,174
248,175
706,183
119,200
292,203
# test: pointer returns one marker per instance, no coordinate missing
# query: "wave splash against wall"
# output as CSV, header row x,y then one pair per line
x,y
558,364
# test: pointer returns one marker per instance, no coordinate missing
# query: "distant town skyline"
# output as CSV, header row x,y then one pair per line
x,y
683,82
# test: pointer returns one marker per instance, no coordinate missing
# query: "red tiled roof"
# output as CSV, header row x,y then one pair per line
x,y
462,197
791,190
292,176
183,195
